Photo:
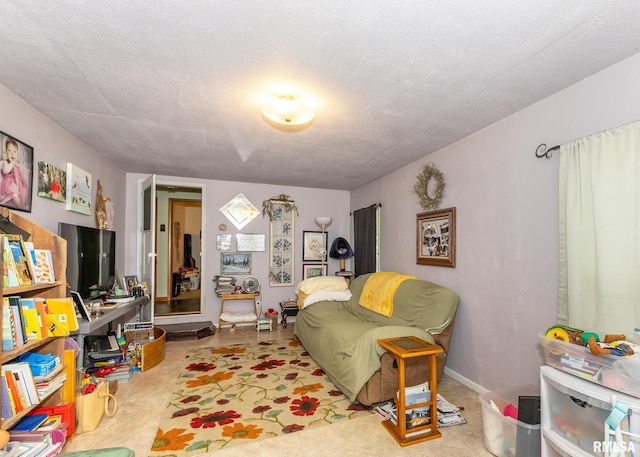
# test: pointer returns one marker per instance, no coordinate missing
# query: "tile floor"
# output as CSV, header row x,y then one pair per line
x,y
141,401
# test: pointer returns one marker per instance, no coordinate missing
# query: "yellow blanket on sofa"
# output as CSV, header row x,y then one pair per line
x,y
378,291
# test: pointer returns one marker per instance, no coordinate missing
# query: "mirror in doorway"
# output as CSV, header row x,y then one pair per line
x,y
179,250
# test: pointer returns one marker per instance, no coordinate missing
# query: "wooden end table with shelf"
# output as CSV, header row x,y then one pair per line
x,y
227,297
403,348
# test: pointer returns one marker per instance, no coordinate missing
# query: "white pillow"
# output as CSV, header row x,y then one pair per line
x,y
327,295
320,283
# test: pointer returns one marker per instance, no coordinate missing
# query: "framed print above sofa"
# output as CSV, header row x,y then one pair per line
x,y
436,238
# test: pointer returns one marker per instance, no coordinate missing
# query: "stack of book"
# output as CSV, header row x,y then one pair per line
x,y
48,384
37,435
117,372
448,414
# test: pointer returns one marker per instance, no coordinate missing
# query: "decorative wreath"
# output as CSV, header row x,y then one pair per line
x,y
429,197
282,199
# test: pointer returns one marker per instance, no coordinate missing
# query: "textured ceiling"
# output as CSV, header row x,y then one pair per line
x,y
174,87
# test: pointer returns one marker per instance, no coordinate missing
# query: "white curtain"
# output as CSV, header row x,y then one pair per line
x,y
599,284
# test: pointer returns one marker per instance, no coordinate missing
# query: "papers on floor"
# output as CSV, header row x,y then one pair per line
x,y
448,413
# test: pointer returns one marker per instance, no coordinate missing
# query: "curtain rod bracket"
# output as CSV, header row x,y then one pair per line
x,y
542,151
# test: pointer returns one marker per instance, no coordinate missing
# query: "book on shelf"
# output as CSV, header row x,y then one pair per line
x,y
23,377
448,414
31,319
53,422
16,401
30,255
9,265
23,266
64,308
8,332
56,326
8,409
18,320
30,423
43,310
44,267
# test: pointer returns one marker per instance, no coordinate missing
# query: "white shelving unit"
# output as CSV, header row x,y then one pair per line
x,y
573,412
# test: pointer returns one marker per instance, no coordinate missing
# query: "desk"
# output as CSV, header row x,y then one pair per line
x,y
231,318
403,348
138,304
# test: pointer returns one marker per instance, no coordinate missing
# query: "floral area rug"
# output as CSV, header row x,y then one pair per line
x,y
236,394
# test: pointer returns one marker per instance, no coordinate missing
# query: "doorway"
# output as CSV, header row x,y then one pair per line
x,y
179,250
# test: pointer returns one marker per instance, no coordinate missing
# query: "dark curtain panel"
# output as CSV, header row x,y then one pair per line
x,y
364,228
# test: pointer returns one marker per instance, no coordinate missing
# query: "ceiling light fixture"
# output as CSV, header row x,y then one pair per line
x,y
287,110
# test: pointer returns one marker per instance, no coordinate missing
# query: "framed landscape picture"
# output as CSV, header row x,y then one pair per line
x,y
311,270
16,173
234,263
436,238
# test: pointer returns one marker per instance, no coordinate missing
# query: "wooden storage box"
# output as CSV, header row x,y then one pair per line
x,y
150,354
153,352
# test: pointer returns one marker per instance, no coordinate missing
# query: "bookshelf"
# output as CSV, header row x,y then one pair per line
x,y
42,239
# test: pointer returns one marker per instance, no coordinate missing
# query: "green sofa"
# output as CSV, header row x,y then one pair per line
x,y
341,336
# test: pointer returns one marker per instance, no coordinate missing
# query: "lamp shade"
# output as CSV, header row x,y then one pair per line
x,y
323,221
340,249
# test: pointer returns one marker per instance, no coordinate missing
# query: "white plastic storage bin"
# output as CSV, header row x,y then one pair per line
x,y
619,373
573,414
505,436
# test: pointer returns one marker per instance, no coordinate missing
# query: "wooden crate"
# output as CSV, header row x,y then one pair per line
x,y
153,352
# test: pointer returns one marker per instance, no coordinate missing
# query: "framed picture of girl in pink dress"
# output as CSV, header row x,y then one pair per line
x,y
16,174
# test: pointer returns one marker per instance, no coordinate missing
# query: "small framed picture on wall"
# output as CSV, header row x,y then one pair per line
x,y
311,270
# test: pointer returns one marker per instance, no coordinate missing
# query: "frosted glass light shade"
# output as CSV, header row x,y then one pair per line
x,y
323,221
287,110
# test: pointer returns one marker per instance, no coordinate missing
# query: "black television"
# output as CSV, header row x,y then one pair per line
x,y
91,258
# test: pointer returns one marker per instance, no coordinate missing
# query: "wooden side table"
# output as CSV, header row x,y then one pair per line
x,y
226,297
404,348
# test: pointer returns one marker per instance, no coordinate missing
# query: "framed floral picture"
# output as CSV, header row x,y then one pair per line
x,y
16,174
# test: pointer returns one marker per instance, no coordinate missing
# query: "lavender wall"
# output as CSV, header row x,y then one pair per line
x,y
507,224
56,146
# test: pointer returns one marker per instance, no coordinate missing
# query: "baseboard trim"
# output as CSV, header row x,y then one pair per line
x,y
466,381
